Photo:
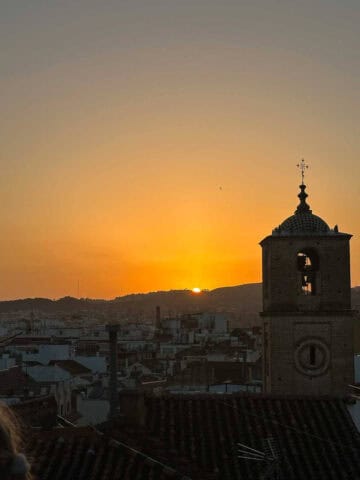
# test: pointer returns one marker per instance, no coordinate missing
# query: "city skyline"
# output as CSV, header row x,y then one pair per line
x,y
151,146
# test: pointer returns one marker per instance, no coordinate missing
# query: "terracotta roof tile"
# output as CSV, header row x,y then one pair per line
x,y
199,434
13,381
315,437
38,411
84,454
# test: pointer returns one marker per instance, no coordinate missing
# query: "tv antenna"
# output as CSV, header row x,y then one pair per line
x,y
270,457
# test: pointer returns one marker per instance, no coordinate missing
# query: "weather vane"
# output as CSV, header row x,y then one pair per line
x,y
303,166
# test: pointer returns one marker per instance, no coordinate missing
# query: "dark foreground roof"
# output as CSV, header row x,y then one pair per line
x,y
13,381
84,454
38,412
315,437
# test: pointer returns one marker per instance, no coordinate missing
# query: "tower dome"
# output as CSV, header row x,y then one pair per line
x,y
303,222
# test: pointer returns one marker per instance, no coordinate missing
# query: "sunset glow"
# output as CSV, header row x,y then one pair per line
x,y
118,118
196,290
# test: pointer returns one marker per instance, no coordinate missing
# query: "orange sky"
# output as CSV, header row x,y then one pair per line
x,y
153,148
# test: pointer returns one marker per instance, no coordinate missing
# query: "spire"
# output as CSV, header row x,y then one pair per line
x,y
303,207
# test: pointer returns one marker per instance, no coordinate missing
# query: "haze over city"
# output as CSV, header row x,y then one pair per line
x,y
151,145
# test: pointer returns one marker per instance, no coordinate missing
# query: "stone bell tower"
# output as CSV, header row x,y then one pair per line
x,y
307,316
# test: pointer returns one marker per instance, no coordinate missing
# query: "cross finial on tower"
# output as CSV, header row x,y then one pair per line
x,y
303,166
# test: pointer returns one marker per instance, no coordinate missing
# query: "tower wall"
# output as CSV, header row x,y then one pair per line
x,y
288,340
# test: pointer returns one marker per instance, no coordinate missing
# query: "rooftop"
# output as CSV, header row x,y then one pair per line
x,y
83,453
314,436
71,366
14,381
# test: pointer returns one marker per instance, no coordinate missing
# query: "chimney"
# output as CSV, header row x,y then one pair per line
x,y
158,318
114,398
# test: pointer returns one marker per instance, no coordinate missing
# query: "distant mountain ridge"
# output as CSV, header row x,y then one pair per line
x,y
172,299
244,301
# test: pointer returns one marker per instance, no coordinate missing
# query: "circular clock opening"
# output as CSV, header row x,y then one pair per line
x,y
312,357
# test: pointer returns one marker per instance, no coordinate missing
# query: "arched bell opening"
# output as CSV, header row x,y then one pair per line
x,y
308,266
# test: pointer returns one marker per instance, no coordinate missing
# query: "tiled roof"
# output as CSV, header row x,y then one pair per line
x,y
84,454
315,437
48,374
71,366
13,381
37,412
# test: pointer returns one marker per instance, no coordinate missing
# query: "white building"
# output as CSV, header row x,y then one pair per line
x,y
95,363
43,353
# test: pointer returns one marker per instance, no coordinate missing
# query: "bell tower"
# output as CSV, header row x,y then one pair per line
x,y
307,316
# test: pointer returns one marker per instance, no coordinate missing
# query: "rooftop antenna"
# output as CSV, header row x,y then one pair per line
x,y
302,166
269,456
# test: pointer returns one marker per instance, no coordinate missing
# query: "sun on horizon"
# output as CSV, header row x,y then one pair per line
x,y
196,290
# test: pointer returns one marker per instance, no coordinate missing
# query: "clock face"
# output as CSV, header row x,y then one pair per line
x,y
312,357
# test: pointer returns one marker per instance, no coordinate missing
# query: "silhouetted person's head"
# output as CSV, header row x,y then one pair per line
x,y
13,464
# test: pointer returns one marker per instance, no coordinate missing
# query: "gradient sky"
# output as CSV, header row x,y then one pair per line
x,y
151,144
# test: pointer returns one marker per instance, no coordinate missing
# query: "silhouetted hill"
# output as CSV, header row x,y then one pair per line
x,y
244,301
240,300
66,305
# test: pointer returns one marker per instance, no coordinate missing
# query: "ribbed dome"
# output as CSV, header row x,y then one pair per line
x,y
303,223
